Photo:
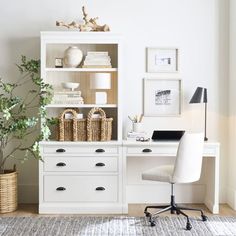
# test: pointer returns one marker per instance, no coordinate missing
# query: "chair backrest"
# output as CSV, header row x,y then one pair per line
x,y
188,161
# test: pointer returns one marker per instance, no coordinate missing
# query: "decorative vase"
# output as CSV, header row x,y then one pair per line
x,y
73,56
137,127
8,191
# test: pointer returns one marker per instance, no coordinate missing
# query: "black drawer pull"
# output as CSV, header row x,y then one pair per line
x,y
60,150
147,150
61,189
61,164
99,150
100,189
100,164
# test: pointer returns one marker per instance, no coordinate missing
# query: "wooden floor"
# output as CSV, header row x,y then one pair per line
x,y
134,210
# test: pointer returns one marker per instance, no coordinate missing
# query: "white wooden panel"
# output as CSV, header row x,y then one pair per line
x,y
80,188
90,164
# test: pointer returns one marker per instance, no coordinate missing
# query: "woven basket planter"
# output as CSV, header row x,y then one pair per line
x,y
99,129
73,129
8,191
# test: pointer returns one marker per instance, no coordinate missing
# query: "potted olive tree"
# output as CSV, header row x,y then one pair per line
x,y
20,131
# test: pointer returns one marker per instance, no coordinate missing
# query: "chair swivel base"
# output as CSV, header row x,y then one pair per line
x,y
173,208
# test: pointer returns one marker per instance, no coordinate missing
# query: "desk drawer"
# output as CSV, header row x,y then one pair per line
x,y
151,150
64,150
80,188
90,164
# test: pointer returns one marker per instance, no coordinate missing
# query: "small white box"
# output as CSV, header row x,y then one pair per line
x,y
101,98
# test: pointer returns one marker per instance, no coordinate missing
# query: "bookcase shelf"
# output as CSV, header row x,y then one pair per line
x,y
81,69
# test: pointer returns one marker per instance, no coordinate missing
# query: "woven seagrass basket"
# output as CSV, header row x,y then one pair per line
x,y
98,129
72,129
8,191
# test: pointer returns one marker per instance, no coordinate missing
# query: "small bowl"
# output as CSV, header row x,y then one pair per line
x,y
70,85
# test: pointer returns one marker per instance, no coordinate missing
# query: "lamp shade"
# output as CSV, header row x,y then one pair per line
x,y
199,96
100,81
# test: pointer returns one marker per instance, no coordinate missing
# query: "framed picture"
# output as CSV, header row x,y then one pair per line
x,y
162,60
162,97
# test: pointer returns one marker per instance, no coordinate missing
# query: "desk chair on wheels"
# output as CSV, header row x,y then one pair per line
x,y
187,169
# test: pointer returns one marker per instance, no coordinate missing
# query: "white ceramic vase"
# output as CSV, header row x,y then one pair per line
x,y
73,56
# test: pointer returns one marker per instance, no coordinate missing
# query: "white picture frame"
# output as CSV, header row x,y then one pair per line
x,y
162,60
162,97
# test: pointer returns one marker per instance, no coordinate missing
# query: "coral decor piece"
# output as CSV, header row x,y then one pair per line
x,y
90,24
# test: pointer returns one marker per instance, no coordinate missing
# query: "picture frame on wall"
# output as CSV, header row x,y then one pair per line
x,y
162,97
161,60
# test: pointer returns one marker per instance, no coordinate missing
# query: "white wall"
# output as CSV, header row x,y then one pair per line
x,y
232,108
191,25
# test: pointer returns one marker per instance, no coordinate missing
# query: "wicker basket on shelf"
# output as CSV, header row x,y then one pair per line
x,y
98,129
8,191
72,129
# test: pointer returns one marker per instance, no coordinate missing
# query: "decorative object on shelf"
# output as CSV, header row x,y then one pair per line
x,y
137,136
100,81
90,24
162,97
59,62
200,96
68,98
73,56
97,59
70,85
137,125
98,129
72,129
18,123
162,60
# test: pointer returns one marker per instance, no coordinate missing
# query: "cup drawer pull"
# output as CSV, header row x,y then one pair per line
x,y
60,150
147,150
100,164
100,189
61,164
99,150
61,189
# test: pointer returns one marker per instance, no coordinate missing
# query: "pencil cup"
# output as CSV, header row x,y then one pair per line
x,y
137,127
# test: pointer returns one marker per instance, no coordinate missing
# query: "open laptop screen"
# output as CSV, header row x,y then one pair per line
x,y
167,135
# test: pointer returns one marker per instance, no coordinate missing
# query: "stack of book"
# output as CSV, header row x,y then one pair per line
x,y
97,60
73,97
133,136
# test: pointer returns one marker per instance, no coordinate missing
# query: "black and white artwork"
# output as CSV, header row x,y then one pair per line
x,y
162,60
162,97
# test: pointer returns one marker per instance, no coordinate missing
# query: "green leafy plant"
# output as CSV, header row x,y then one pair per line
x,y
20,114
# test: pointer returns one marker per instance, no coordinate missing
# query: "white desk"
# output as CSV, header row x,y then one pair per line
x,y
161,149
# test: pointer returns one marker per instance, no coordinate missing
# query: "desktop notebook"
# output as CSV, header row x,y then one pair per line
x,y
171,135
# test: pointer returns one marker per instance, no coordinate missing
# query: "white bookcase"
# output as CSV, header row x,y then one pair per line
x,y
82,177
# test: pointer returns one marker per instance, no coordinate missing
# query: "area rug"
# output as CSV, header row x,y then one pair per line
x,y
113,226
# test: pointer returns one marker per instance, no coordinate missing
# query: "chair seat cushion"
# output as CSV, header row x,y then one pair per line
x,y
162,173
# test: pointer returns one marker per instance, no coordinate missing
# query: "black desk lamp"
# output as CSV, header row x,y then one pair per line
x,y
200,96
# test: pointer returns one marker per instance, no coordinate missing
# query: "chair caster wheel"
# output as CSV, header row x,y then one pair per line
x,y
204,218
172,211
188,226
177,212
152,223
147,214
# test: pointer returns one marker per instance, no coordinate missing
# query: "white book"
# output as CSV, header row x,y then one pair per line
x,y
97,53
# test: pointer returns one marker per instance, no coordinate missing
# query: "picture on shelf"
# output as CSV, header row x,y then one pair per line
x,y
162,97
162,60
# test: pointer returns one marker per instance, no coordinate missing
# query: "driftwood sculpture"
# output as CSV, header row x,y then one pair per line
x,y
89,24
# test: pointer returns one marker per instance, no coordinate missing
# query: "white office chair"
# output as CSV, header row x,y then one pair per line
x,y
187,169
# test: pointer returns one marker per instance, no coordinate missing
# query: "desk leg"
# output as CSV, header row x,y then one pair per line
x,y
124,180
212,183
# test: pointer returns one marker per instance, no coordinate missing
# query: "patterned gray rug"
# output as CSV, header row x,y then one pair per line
x,y
113,226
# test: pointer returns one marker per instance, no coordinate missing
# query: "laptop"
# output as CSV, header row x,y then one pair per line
x,y
168,135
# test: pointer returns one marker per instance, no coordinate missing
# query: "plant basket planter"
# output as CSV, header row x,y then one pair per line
x,y
8,191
